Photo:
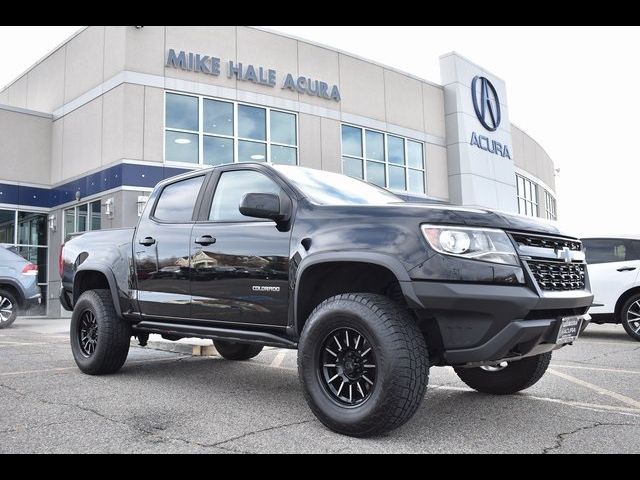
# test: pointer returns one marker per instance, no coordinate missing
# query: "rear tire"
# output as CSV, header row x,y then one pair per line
x,y
99,338
363,364
515,377
237,351
8,309
630,317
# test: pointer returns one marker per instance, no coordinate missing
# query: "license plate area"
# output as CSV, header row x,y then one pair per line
x,y
569,329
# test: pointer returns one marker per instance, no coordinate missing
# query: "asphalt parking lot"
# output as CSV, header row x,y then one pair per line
x,y
165,402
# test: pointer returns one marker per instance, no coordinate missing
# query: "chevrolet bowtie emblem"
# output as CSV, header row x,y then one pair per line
x,y
564,254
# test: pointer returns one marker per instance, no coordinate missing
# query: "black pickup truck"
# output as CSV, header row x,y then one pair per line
x,y
371,290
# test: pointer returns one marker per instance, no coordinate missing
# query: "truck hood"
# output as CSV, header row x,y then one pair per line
x,y
446,215
477,217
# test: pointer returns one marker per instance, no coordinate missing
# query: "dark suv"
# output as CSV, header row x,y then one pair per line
x,y
18,285
371,290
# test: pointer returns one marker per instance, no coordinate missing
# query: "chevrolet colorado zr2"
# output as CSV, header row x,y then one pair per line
x,y
372,291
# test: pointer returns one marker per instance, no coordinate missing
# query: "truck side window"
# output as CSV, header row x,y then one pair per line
x,y
177,201
232,186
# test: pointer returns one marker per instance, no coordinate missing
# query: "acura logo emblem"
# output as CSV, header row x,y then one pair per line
x,y
486,103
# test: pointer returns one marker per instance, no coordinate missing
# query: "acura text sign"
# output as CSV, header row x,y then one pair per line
x,y
206,64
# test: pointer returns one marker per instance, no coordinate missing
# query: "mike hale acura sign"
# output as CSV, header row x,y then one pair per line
x,y
208,65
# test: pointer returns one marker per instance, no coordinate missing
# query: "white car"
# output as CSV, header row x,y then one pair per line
x,y
614,272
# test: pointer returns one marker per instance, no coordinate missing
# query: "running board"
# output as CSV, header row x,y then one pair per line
x,y
244,336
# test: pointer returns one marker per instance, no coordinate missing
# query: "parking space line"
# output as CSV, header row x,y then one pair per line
x,y
597,369
277,362
20,344
596,342
65,369
634,412
46,370
603,391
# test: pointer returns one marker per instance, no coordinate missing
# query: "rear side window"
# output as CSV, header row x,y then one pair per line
x,y
177,201
606,250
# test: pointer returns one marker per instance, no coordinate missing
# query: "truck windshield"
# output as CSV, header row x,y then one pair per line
x,y
326,188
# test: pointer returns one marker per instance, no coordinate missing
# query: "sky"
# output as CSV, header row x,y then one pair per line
x,y
572,89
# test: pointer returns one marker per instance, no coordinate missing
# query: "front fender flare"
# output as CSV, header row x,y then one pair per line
x,y
389,262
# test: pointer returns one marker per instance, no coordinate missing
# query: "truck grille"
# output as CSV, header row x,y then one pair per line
x,y
558,276
547,242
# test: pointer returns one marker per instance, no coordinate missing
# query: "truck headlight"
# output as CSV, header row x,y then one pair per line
x,y
482,244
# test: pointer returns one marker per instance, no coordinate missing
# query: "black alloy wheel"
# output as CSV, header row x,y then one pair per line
x,y
88,333
347,367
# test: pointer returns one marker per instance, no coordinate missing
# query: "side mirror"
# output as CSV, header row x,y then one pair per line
x,y
264,205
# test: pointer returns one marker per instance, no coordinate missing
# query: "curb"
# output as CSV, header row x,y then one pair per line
x,y
187,346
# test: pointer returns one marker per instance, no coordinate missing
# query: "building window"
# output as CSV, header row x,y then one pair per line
x,y
527,197
551,206
207,131
383,159
83,218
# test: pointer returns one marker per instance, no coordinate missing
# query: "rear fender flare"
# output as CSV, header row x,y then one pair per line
x,y
111,280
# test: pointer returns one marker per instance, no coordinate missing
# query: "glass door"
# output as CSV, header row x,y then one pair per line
x,y
32,244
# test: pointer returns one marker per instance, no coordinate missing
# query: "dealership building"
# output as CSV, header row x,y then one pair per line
x,y
88,131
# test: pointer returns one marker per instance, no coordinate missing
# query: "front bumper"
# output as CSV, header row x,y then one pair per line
x,y
33,301
484,324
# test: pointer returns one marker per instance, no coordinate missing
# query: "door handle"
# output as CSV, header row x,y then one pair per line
x,y
147,242
626,269
206,240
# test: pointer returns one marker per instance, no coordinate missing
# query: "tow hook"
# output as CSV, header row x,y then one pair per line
x,y
143,339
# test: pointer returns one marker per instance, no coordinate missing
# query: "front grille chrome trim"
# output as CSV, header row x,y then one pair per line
x,y
546,242
548,253
555,264
558,276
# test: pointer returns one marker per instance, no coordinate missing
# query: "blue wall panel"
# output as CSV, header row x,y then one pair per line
x,y
129,175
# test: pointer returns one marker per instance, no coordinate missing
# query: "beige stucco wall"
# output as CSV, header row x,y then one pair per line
x,y
25,153
91,57
126,122
531,157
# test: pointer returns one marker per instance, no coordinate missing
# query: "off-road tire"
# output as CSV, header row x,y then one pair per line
x,y
400,351
237,351
113,334
515,377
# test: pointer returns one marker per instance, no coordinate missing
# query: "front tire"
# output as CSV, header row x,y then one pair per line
x,y
99,338
237,351
513,378
8,309
630,317
363,364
